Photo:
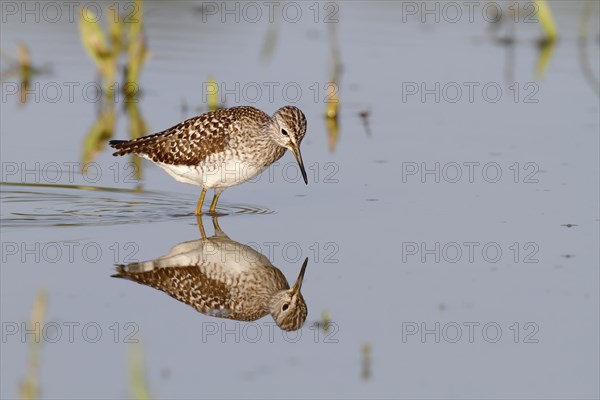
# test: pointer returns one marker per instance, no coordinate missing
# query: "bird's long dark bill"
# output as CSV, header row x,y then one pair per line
x,y
298,284
296,151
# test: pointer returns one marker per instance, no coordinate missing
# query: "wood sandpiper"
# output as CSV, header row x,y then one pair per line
x,y
222,148
223,278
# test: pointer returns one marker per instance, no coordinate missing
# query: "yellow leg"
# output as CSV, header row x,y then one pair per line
x,y
200,202
201,227
213,205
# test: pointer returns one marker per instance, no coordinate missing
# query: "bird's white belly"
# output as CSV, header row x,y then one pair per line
x,y
215,175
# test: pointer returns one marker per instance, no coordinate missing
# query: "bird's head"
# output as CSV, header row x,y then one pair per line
x,y
288,307
288,127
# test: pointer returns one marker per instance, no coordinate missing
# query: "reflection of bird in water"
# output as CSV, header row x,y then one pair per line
x,y
223,278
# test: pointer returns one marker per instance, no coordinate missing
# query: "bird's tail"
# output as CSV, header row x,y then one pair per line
x,y
135,146
123,147
123,270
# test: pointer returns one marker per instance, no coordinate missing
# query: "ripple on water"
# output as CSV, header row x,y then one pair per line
x,y
53,205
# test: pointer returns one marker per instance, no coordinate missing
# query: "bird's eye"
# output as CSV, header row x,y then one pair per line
x,y
284,132
285,307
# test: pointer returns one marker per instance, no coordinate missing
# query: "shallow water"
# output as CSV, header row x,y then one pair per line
x,y
478,280
35,205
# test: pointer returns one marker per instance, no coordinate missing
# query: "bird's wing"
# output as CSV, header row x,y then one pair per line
x,y
187,284
193,140
187,143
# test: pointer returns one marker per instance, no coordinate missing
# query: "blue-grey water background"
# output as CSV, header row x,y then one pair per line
x,y
357,203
